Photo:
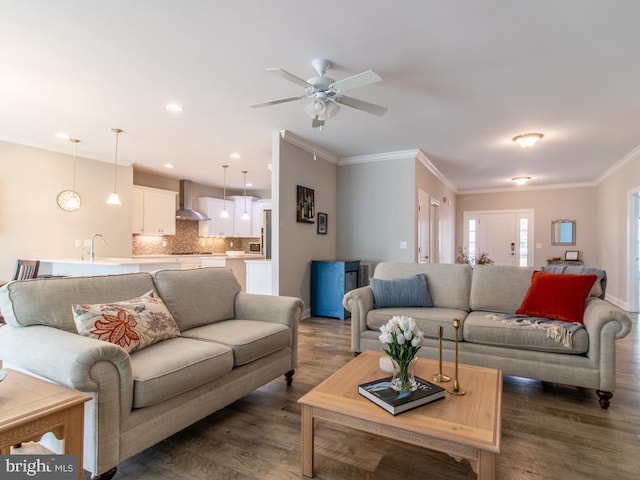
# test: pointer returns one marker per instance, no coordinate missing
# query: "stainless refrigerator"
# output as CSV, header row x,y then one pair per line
x,y
266,234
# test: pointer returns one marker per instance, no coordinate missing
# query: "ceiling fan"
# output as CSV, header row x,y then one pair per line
x,y
326,93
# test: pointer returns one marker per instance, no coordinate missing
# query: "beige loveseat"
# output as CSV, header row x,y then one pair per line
x,y
229,344
484,297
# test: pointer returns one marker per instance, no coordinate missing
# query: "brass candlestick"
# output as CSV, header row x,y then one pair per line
x,y
439,377
455,389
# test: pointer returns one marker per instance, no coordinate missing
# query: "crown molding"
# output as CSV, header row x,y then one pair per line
x,y
629,157
422,157
528,188
379,157
293,139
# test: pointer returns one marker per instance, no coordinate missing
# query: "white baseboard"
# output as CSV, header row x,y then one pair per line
x,y
617,302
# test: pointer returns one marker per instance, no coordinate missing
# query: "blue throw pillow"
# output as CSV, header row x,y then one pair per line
x,y
401,292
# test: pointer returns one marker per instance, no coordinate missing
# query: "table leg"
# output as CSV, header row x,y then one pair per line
x,y
486,465
307,441
73,436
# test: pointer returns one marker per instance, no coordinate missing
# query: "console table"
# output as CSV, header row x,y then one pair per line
x,y
564,262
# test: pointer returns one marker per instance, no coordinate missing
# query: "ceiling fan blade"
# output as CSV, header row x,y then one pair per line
x,y
358,80
317,122
362,105
276,102
289,76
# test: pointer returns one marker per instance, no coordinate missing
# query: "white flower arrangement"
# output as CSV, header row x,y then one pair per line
x,y
402,338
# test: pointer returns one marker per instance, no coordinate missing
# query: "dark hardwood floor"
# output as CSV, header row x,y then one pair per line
x,y
550,431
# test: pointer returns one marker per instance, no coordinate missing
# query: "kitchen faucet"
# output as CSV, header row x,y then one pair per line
x,y
92,251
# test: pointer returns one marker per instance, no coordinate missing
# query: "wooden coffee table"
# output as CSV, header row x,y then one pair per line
x,y
31,407
465,427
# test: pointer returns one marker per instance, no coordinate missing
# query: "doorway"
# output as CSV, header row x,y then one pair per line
x,y
423,227
505,235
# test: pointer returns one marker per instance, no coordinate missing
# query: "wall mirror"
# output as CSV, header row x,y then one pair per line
x,y
563,232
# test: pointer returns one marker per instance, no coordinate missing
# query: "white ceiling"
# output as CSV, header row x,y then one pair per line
x,y
461,78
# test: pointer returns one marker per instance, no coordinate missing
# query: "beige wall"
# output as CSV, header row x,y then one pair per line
x,y
432,185
613,229
297,244
32,225
578,204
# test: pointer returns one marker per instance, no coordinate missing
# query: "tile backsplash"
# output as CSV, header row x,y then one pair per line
x,y
187,240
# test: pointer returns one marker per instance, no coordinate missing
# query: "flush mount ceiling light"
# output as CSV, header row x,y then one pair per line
x,y
114,199
224,213
245,215
521,180
174,107
69,200
527,140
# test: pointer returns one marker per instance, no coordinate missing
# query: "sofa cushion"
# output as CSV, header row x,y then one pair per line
x,y
488,329
499,288
401,292
561,296
133,324
170,368
25,302
427,319
448,284
198,297
249,339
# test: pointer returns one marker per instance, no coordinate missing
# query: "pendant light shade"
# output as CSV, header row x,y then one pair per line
x,y
245,215
114,199
224,213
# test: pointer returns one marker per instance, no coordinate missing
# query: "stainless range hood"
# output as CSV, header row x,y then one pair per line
x,y
185,212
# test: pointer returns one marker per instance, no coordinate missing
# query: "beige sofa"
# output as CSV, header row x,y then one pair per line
x,y
482,297
230,343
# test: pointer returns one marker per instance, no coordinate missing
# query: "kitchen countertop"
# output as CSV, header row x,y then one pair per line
x,y
112,260
204,255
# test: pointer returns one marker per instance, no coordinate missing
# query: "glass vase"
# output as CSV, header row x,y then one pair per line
x,y
403,378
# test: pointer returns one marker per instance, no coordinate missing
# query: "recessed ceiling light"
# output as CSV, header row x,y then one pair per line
x,y
235,155
174,107
62,136
521,180
168,165
527,140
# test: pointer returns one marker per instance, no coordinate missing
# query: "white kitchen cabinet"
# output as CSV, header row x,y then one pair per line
x,y
154,211
258,274
242,228
216,227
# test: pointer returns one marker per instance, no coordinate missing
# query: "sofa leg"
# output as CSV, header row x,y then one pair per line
x,y
289,377
603,398
108,475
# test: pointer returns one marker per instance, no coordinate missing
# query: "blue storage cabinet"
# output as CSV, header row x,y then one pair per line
x,y
330,280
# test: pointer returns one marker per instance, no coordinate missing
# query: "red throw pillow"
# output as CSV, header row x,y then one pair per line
x,y
561,296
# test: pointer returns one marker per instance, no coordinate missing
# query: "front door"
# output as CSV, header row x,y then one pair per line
x,y
497,237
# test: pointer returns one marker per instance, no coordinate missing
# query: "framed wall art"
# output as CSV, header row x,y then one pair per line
x,y
305,205
322,223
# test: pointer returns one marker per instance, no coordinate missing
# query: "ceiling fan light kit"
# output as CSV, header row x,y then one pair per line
x,y
528,140
326,93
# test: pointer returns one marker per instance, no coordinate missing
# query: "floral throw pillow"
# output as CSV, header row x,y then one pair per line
x,y
132,324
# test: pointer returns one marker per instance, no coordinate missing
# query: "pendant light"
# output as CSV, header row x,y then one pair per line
x,y
69,200
114,199
245,215
224,213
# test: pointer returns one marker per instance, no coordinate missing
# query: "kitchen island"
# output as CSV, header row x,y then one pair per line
x,y
68,267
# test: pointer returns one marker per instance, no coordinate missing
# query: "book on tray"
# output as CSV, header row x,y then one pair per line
x,y
380,392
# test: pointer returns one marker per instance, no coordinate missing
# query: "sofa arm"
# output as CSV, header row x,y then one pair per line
x,y
359,302
599,313
269,308
68,359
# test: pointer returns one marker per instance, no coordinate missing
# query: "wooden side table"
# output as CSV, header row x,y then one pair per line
x,y
30,407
